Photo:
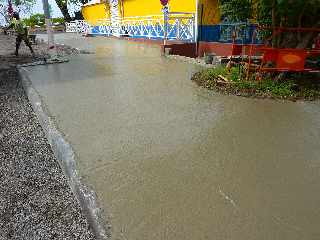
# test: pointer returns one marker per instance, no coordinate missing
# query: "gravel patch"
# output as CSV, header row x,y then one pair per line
x,y
36,201
196,61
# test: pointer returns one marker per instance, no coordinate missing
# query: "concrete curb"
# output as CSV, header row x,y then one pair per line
x,y
66,158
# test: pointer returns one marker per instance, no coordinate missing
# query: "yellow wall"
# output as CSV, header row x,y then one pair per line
x,y
153,7
211,13
95,12
132,8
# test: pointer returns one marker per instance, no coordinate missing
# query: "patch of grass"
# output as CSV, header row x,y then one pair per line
x,y
246,84
290,88
213,73
235,74
281,89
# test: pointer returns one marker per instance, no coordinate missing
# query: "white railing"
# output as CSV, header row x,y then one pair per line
x,y
71,27
78,26
180,26
143,26
103,27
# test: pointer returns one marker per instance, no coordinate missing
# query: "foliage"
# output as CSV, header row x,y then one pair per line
x,y
291,87
288,13
277,88
39,20
215,72
63,6
59,20
35,19
21,6
235,74
236,10
277,13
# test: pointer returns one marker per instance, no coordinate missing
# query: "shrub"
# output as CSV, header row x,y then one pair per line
x,y
35,19
59,20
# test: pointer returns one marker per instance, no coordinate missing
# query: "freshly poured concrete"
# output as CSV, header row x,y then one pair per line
x,y
169,160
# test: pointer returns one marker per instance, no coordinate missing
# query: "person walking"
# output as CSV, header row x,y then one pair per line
x,y
21,32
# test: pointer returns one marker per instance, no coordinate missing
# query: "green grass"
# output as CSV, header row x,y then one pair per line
x,y
282,89
294,87
213,73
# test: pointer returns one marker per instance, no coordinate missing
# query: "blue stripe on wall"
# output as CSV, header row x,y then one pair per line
x,y
223,33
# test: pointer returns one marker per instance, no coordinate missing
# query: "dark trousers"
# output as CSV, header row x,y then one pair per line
x,y
19,39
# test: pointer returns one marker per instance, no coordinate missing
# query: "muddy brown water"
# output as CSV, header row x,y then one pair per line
x,y
172,161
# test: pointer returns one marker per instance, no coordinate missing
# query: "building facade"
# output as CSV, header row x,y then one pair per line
x,y
190,21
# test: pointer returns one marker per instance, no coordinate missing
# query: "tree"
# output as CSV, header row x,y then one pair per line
x,y
35,20
50,9
23,6
63,6
278,13
236,10
20,6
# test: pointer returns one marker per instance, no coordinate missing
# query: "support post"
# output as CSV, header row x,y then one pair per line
x,y
165,24
196,22
178,28
48,22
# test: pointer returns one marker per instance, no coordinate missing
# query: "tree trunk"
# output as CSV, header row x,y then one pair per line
x,y
64,10
290,39
300,19
307,40
274,19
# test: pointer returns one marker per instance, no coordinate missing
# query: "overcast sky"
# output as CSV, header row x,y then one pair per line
x,y
55,10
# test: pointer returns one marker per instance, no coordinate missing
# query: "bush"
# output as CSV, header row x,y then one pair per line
x,y
39,20
58,20
35,19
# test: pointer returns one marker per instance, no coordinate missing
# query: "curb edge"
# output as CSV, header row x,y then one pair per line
x,y
66,158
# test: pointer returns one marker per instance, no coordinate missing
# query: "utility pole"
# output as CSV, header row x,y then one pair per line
x,y
48,22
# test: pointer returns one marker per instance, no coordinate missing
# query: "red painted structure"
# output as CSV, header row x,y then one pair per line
x,y
182,49
219,49
287,59
280,59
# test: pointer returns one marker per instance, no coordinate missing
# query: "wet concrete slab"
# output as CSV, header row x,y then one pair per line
x,y
169,160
